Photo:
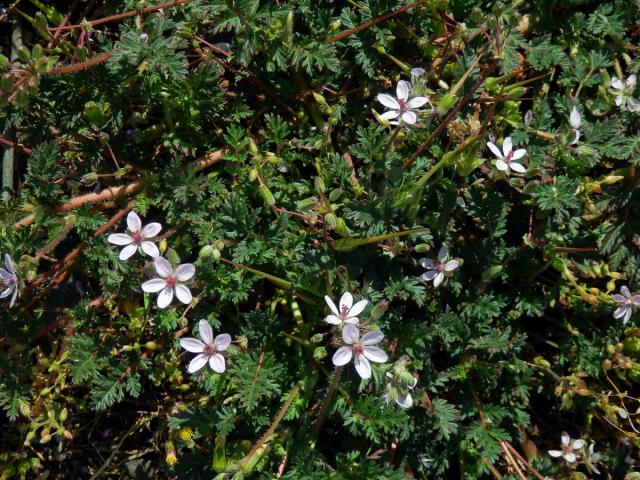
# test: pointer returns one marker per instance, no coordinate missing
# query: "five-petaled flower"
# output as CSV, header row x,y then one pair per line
x,y
170,282
360,349
506,158
626,303
9,281
575,121
137,238
569,447
208,348
592,459
624,92
436,269
347,313
403,106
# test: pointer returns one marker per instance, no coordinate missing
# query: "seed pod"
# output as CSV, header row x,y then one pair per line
x,y
267,195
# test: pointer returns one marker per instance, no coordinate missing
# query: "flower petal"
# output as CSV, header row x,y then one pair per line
x,y
570,457
618,298
128,251
9,264
332,305
216,362
205,331
494,149
154,285
631,82
163,267
616,83
502,165
363,367
390,114
451,265
375,354
405,401
14,296
346,301
185,271
507,146
332,320
410,118
350,334
518,167
555,453
621,311
627,316
197,363
371,338
565,439
4,274
438,280
222,342
577,444
342,356
633,105
192,345
388,101
150,249
624,290
443,253
574,118
518,154
426,263
119,239
151,230
6,292
358,308
576,138
133,222
165,297
183,294
430,275
417,102
403,89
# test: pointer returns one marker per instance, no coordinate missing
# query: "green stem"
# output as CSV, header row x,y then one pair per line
x,y
325,406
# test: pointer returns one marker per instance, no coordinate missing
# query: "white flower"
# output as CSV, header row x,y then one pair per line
x,y
593,458
507,156
568,448
403,106
347,313
626,303
360,349
138,237
623,92
208,348
437,268
575,121
170,282
399,391
9,281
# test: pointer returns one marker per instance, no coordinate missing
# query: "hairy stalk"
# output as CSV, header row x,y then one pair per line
x,y
76,67
56,240
325,405
273,426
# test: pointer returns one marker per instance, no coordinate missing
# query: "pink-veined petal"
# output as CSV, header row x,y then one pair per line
x,y
363,367
163,267
332,320
410,118
346,301
358,308
621,311
205,331
426,263
388,101
350,334
371,338
185,271
555,453
518,167
627,316
375,354
197,363
165,297
9,264
502,166
405,401
430,275
451,265
389,115
154,285
438,280
417,102
342,356
332,306
216,362
616,83
570,457
618,298
183,293
624,290
507,146
150,249
5,293
4,274
577,444
151,230
127,252
192,345
133,222
565,439
495,150
222,342
636,300
518,154
443,253
403,89
15,295
119,239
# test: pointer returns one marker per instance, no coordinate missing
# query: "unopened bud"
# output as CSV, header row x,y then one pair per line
x,y
422,248
267,195
319,353
379,310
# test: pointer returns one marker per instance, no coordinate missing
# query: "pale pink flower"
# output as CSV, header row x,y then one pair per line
x,y
436,269
568,448
208,348
360,349
9,282
171,281
137,237
507,158
347,313
624,92
626,303
403,105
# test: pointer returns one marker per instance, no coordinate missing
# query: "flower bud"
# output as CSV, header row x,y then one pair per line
x,y
206,251
319,353
446,102
267,195
331,219
25,409
30,436
319,184
379,310
162,246
306,203
151,345
422,248
317,338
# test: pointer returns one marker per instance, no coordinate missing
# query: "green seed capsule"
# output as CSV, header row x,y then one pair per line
x,y
267,195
